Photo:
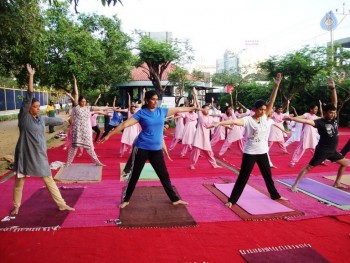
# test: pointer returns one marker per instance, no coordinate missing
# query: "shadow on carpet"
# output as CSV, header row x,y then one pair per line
x,y
151,207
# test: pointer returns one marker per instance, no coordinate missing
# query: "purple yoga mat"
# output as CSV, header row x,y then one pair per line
x,y
321,191
253,201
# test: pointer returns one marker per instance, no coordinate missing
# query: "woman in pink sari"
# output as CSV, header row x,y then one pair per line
x,y
179,129
189,131
201,140
309,136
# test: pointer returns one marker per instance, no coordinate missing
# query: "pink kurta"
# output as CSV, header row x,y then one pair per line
x,y
220,131
202,136
276,135
309,134
180,126
131,132
190,128
235,133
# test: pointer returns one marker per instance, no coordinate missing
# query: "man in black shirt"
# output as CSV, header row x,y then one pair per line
x,y
327,128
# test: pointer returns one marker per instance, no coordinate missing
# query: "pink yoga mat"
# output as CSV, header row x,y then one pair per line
x,y
253,201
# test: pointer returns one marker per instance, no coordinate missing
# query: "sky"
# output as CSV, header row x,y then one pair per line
x,y
212,26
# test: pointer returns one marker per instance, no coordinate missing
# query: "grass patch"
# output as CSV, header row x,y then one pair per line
x,y
8,117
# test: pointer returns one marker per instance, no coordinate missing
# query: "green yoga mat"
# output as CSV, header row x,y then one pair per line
x,y
147,174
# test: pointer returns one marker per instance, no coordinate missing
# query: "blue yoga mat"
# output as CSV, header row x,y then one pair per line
x,y
320,191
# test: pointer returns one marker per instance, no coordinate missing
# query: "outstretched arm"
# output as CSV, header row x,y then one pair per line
x,y
299,119
173,111
277,82
120,127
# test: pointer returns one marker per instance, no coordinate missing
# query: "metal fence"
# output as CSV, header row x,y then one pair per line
x,y
11,99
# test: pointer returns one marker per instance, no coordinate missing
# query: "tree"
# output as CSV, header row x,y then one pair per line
x,y
93,49
21,34
226,78
305,75
299,69
183,80
158,55
76,2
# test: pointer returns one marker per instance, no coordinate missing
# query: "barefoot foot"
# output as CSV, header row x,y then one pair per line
x,y
283,198
124,204
66,208
228,204
294,189
14,211
340,186
180,202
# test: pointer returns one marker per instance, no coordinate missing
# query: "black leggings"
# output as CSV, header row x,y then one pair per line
x,y
97,130
129,163
109,128
248,162
156,158
346,148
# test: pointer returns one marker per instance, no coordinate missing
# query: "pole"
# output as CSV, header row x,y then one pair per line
x,y
332,45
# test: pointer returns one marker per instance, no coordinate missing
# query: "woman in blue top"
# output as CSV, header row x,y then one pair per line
x,y
148,145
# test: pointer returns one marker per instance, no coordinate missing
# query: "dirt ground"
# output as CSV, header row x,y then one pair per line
x,y
9,133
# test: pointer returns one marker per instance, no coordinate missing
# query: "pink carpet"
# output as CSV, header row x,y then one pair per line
x,y
253,201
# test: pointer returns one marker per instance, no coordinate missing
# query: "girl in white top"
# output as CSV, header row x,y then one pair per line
x,y
256,147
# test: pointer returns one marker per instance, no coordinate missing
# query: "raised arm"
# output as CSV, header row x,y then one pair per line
x,y
272,99
75,90
331,86
288,103
321,108
114,101
295,111
195,98
31,72
129,101
99,96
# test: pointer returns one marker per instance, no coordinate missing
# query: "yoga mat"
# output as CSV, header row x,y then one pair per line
x,y
79,173
252,199
344,180
40,212
147,174
322,192
6,176
151,207
302,253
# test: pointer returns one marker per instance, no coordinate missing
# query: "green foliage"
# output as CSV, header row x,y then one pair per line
x,y
20,33
94,49
158,55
